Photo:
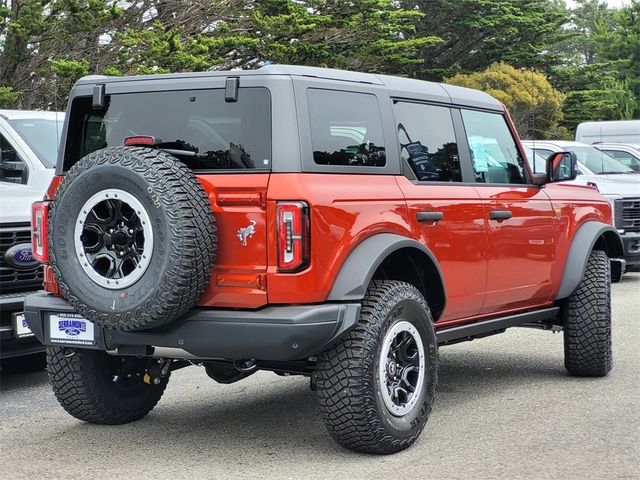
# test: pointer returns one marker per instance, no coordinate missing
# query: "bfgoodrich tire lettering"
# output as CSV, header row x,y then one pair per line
x,y
587,321
184,241
347,376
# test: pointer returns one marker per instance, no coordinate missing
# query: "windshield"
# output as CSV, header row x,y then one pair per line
x,y
42,135
599,162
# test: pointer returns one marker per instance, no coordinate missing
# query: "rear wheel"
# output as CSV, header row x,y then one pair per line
x,y
100,388
587,321
376,386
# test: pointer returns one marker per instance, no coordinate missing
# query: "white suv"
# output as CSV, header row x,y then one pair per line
x,y
617,182
28,151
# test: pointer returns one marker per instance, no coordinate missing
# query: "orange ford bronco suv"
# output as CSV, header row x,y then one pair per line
x,y
307,221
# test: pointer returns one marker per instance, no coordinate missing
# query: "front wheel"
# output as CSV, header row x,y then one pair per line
x,y
587,321
376,386
96,387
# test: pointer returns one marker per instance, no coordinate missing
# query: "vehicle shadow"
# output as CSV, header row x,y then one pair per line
x,y
10,381
280,416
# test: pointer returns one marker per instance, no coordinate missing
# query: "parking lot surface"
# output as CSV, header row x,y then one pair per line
x,y
505,408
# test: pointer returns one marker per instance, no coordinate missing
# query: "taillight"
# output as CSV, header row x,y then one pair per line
x,y
293,236
39,216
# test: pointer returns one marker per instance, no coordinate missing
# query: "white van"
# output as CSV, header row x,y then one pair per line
x,y
611,131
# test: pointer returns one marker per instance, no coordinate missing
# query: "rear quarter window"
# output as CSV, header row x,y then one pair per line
x,y
346,128
197,126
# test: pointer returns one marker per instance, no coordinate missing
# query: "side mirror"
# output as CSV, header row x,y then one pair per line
x,y
562,166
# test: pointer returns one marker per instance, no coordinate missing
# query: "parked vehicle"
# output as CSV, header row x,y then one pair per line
x,y
616,181
28,150
628,154
616,131
307,221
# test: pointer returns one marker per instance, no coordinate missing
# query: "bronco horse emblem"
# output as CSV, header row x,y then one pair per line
x,y
246,232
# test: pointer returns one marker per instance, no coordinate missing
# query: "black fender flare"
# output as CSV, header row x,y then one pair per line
x,y
589,235
361,264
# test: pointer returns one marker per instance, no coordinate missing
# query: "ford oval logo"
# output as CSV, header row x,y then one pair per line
x,y
21,256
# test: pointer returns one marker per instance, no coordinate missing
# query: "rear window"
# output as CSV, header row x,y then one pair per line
x,y
197,126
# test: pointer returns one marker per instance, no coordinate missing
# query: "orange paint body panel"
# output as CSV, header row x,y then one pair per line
x,y
343,213
489,267
238,201
457,241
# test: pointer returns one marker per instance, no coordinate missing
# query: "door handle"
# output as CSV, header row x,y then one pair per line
x,y
500,214
429,216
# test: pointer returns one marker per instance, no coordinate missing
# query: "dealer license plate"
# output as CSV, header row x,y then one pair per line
x,y
71,328
20,326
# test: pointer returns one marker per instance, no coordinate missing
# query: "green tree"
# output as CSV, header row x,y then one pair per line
x,y
40,36
601,68
535,106
477,33
371,35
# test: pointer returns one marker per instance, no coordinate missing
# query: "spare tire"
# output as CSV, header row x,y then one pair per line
x,y
132,238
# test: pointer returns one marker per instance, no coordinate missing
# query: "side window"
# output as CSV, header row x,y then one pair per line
x,y
428,142
12,167
541,155
493,149
346,128
623,157
543,152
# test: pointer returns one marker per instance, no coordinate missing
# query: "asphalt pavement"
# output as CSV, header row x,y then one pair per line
x,y
505,408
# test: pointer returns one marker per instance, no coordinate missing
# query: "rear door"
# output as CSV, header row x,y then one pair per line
x,y
225,140
446,213
522,229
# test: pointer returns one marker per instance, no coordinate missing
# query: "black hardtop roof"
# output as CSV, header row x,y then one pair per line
x,y
397,86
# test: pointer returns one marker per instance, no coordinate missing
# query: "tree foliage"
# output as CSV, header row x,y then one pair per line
x,y
591,52
478,33
535,106
38,33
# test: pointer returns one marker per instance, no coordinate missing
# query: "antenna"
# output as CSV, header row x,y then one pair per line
x,y
55,107
533,123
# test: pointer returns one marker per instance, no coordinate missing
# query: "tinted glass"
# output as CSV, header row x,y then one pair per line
x,y
197,126
346,128
493,149
428,142
42,135
627,158
598,162
537,159
12,167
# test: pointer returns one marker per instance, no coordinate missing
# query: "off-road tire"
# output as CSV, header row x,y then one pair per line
x,y
83,386
587,321
184,238
25,363
347,381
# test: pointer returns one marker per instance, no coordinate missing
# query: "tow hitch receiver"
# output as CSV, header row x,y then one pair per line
x,y
157,371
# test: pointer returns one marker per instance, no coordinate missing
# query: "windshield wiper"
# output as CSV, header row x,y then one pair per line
x,y
615,173
176,151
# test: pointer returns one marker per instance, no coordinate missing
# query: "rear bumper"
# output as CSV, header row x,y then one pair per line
x,y
10,344
631,245
274,333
